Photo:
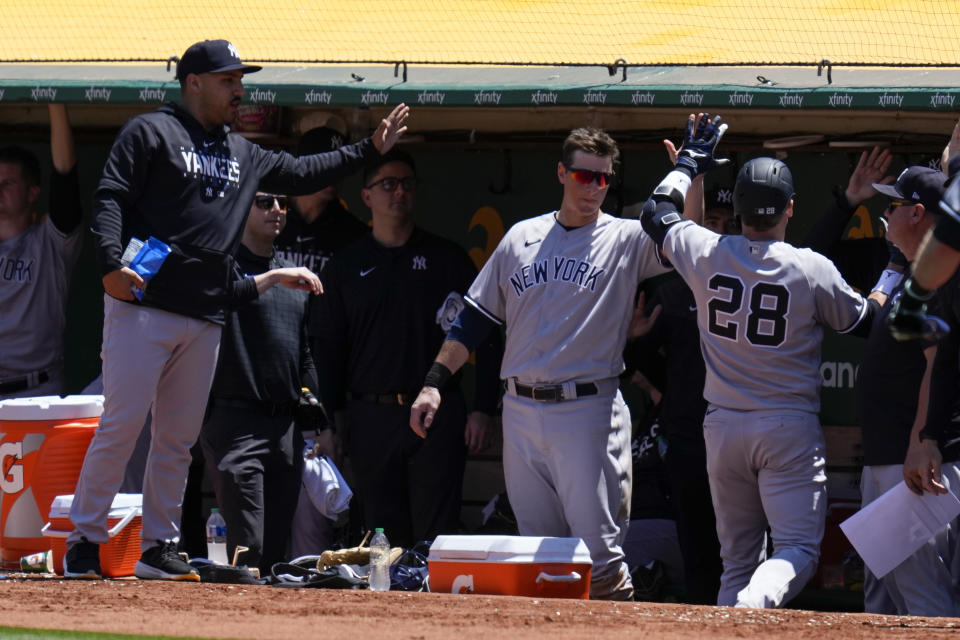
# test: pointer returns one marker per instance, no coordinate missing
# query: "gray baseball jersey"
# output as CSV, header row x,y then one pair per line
x,y
761,307
565,296
34,276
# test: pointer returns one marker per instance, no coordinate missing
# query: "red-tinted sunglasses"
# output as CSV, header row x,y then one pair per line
x,y
586,176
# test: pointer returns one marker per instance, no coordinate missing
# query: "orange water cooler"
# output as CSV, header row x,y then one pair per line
x,y
42,445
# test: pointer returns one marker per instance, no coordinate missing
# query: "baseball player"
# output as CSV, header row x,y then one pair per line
x,y
562,284
761,307
36,261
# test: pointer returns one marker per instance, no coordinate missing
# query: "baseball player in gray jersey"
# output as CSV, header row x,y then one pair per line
x,y
761,308
562,284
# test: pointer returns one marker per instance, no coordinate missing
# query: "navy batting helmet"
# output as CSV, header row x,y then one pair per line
x,y
764,187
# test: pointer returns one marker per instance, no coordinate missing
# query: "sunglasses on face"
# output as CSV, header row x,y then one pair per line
x,y
266,202
586,176
390,184
898,203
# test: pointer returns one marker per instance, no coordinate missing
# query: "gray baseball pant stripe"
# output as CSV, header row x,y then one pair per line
x,y
766,467
568,472
149,355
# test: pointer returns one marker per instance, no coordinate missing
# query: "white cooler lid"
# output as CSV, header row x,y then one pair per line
x,y
519,549
51,408
122,504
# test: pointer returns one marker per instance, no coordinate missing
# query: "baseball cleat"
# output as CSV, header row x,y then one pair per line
x,y
163,562
82,561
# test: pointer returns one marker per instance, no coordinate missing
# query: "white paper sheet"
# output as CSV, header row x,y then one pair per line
x,y
891,528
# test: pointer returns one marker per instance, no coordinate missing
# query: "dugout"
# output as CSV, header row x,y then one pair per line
x,y
494,89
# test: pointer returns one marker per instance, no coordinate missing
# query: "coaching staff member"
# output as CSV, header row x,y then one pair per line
x,y
391,296
178,174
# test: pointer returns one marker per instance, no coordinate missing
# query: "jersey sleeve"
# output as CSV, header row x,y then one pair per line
x,y
485,294
124,175
683,241
837,304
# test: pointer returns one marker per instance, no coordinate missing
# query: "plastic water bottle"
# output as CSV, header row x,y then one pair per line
x,y
379,562
216,537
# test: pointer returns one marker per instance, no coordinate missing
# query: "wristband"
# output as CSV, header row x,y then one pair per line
x,y
437,376
927,434
888,281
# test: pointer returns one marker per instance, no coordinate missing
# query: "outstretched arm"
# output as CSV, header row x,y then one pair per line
x,y
391,128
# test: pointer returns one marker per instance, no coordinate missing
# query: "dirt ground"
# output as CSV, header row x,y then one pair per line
x,y
231,611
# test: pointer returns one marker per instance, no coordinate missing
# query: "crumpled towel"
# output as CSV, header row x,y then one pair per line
x,y
327,489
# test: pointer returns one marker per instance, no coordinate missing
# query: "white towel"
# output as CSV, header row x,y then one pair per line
x,y
327,489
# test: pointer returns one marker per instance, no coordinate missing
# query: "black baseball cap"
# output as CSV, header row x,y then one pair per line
x,y
211,56
916,184
718,197
319,140
764,187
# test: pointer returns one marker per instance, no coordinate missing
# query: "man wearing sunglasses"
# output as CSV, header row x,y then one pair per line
x,y
179,175
892,393
251,443
562,284
389,299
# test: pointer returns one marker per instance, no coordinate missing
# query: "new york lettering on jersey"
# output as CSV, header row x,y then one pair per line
x,y
556,269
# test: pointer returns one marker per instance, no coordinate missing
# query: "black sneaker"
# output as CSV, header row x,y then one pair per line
x,y
82,561
163,562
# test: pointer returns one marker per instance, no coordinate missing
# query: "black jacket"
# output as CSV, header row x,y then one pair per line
x,y
169,178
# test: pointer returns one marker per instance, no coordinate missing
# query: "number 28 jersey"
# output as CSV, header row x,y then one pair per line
x,y
761,308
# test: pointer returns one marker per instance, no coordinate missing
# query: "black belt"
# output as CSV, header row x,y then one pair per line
x,y
397,399
264,408
22,384
554,392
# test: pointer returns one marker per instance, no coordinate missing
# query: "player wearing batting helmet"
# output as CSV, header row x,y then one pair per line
x,y
761,308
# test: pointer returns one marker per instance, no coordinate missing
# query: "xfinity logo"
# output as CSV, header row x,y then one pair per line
x,y
841,100
374,97
888,99
791,100
941,100
262,95
43,93
431,97
736,98
594,97
642,98
542,97
691,98
313,97
156,95
486,97
97,93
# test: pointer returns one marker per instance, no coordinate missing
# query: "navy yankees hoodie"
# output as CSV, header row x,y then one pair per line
x,y
168,177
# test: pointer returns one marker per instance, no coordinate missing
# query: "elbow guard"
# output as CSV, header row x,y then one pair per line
x,y
665,205
656,218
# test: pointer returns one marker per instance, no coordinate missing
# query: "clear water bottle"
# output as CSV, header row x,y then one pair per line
x,y
216,537
379,562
